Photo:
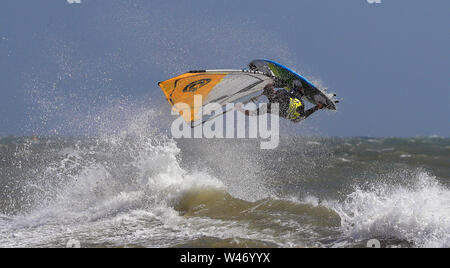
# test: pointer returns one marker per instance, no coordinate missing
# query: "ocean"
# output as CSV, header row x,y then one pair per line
x,y
143,189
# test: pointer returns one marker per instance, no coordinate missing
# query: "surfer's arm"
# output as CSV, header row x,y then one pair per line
x,y
313,110
261,110
308,113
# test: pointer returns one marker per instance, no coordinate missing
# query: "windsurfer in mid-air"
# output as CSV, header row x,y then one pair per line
x,y
290,103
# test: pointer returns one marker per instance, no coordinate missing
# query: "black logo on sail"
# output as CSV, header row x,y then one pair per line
x,y
193,86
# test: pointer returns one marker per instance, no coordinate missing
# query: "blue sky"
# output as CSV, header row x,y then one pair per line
x,y
388,62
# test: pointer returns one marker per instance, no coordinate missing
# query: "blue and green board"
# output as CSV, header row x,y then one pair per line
x,y
287,76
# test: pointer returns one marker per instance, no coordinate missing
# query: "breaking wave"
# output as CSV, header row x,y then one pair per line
x,y
418,213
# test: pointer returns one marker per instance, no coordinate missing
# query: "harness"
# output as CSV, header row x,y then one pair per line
x,y
292,112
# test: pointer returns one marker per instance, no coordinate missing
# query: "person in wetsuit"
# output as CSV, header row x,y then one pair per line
x,y
290,103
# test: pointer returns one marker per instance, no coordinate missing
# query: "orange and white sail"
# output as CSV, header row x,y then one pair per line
x,y
214,86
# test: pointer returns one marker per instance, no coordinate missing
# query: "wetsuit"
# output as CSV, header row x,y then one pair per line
x,y
290,104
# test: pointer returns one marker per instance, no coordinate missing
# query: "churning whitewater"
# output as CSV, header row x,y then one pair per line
x,y
136,187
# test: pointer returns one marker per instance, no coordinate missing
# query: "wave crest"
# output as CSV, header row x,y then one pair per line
x,y
418,213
